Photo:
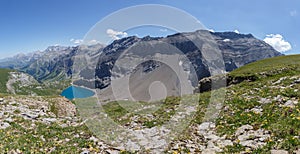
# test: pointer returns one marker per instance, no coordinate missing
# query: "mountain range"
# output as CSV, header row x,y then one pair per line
x,y
97,61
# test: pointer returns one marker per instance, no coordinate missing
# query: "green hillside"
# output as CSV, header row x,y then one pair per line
x,y
270,66
4,75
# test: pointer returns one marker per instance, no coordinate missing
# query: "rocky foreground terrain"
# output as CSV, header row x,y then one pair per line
x,y
44,125
260,114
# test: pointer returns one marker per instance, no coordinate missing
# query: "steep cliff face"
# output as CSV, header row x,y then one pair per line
x,y
236,50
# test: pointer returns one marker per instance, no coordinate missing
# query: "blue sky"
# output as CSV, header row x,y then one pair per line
x,y
30,25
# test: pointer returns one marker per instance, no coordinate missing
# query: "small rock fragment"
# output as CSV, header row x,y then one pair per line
x,y
85,152
243,129
264,101
279,152
4,125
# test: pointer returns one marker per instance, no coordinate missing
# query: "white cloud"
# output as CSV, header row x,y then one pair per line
x,y
115,34
277,42
76,41
236,31
80,41
91,42
293,13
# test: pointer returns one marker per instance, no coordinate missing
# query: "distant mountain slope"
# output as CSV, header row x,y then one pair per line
x,y
54,63
20,60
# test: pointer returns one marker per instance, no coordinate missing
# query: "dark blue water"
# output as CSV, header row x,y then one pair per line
x,y
76,92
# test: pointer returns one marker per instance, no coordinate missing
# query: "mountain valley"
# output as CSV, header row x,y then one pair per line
x,y
260,112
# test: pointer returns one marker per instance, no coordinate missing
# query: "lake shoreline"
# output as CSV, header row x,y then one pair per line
x,y
73,92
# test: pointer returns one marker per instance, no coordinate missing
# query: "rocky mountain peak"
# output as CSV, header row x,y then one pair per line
x,y
232,35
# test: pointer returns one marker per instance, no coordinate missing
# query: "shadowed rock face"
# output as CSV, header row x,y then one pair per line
x,y
239,49
236,49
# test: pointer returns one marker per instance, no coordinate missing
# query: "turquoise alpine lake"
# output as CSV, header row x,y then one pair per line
x,y
76,92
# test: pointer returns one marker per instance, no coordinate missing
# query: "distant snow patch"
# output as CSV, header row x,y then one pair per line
x,y
226,40
236,31
211,30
